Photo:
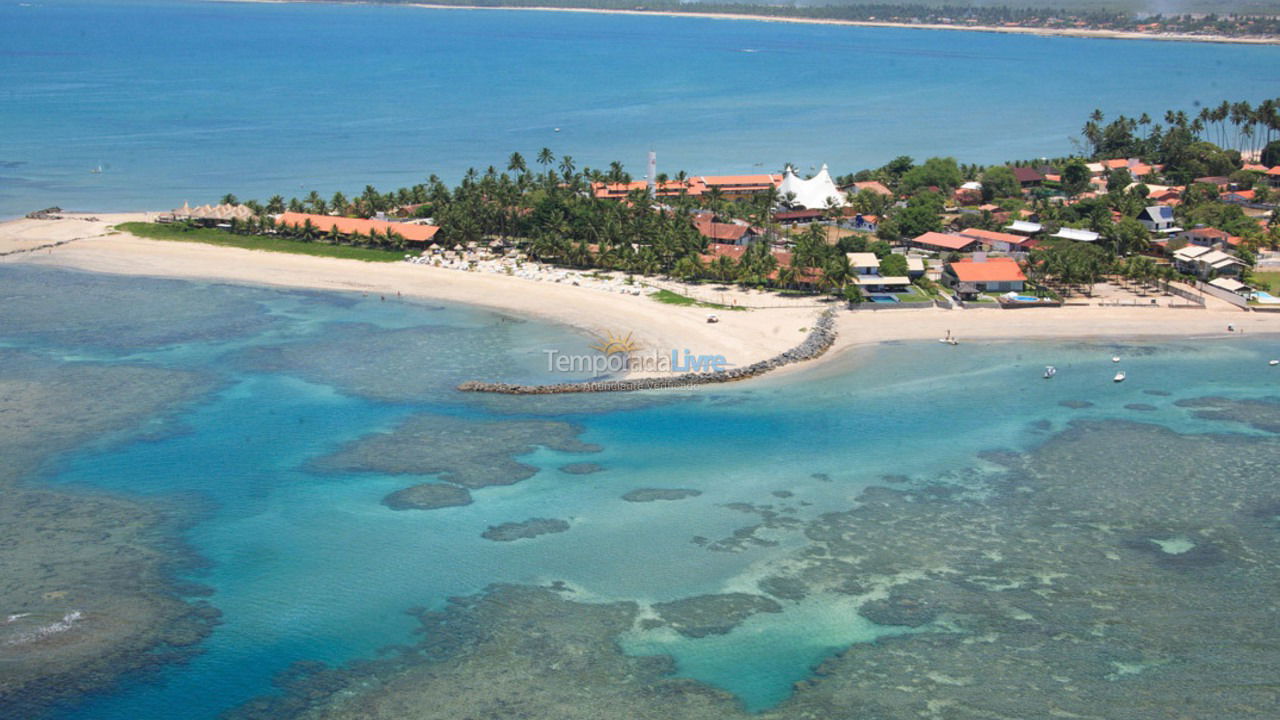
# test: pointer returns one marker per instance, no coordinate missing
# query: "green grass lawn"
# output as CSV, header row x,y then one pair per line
x,y
1272,279
670,298
214,236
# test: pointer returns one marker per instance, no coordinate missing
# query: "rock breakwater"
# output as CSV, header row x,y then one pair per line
x,y
817,342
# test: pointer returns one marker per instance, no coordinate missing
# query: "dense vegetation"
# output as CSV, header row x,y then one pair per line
x,y
546,207
213,236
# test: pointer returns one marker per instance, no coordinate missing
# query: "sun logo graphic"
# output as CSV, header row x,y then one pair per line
x,y
611,344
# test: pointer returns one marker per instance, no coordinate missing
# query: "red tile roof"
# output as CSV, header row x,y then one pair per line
x,y
358,226
1207,232
949,242
719,231
1027,175
741,182
716,250
990,270
987,237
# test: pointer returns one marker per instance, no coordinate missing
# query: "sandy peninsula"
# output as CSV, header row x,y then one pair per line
x,y
771,326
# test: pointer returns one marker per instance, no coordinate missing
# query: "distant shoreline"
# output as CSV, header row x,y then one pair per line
x,y
1045,32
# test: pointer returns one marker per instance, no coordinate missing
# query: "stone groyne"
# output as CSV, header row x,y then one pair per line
x,y
817,342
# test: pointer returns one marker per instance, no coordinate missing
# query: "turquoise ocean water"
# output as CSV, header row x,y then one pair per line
x,y
309,565
182,101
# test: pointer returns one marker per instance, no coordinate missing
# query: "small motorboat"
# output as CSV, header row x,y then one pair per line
x,y
1050,371
1115,358
1274,362
1119,377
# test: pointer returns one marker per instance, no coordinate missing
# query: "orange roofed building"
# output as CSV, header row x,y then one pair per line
x,y
356,226
731,187
971,276
940,242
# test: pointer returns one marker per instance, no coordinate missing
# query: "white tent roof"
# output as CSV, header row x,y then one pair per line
x,y
816,193
1022,226
1077,235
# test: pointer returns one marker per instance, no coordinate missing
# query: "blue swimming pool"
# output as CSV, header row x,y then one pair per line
x,y
883,298
1265,297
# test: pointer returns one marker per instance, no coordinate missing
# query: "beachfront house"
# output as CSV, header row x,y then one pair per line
x,y
941,243
1207,263
980,274
863,263
915,267
419,236
1158,218
866,274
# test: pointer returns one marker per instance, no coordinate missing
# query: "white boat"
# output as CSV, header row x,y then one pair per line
x,y
1115,358
1050,371
1274,362
1119,377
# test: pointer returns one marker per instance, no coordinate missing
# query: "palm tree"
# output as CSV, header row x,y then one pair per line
x,y
545,157
786,276
516,163
837,271
315,203
567,166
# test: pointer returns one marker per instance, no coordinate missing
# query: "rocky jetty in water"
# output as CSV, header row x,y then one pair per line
x,y
817,342
652,494
583,468
428,496
705,615
531,528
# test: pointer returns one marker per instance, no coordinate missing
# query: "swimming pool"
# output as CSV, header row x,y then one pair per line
x,y
883,298
1266,298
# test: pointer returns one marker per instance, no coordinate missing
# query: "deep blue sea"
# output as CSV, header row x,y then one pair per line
x,y
309,565
185,101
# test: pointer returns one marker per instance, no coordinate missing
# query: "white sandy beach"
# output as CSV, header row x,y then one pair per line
x,y
742,337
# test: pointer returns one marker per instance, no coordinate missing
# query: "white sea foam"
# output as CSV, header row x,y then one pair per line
x,y
67,622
